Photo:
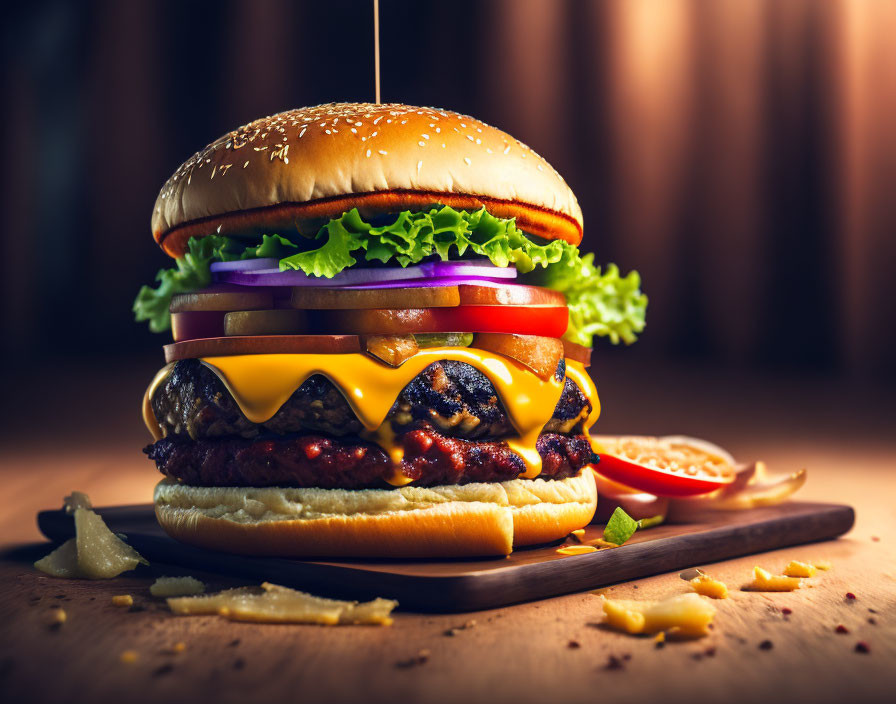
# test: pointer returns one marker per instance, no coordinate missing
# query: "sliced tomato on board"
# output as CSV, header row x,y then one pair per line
x,y
666,466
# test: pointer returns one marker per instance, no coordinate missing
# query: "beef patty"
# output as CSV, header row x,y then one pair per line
x,y
430,459
452,397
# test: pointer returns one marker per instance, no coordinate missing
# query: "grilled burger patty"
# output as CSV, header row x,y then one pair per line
x,y
452,397
430,459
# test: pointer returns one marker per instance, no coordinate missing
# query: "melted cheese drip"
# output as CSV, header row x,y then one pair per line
x,y
576,372
261,383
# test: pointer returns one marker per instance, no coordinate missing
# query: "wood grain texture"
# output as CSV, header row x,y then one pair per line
x,y
450,586
516,654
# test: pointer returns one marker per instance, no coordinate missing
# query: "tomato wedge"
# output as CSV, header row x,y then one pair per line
x,y
546,321
669,466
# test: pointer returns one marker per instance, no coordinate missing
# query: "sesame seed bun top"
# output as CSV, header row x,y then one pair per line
x,y
302,167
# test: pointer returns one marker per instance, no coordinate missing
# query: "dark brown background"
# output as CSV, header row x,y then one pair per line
x,y
739,154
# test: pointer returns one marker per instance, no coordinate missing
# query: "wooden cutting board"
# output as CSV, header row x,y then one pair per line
x,y
445,586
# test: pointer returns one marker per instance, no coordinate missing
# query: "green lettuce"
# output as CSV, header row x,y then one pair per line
x,y
600,303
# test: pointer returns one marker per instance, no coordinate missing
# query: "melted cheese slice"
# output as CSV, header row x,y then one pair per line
x,y
261,383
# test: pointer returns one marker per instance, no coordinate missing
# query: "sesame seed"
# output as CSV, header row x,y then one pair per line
x,y
470,137
328,131
419,166
382,151
488,150
368,152
438,130
540,167
245,165
422,143
354,131
425,136
507,149
467,160
478,141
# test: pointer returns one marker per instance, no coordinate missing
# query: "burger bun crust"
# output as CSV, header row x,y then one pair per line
x,y
299,168
423,522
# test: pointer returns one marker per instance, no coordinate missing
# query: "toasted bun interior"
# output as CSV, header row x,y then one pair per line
x,y
444,521
301,167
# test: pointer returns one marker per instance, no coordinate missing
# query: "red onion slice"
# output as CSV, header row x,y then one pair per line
x,y
429,274
245,265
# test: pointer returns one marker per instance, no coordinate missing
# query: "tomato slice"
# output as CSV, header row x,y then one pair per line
x,y
546,321
670,466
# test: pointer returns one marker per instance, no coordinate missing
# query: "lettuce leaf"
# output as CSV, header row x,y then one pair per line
x,y
190,272
600,303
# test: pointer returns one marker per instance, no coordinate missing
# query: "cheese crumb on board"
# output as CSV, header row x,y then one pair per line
x,y
101,553
765,581
95,552
576,549
275,604
62,562
687,615
823,565
795,568
59,616
705,585
122,600
129,657
176,586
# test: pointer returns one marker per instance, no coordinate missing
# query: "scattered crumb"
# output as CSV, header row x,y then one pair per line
x,y
163,670
710,652
823,565
660,639
272,603
129,657
614,663
573,645
841,629
872,621
122,600
235,642
850,596
766,645
787,611
457,629
576,550
795,568
863,647
420,658
177,648
176,586
705,585
875,538
239,664
688,614
764,581
59,617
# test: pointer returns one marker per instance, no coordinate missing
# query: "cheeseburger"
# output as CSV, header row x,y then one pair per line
x,y
381,323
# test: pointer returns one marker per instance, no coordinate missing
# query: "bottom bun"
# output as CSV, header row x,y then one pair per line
x,y
442,521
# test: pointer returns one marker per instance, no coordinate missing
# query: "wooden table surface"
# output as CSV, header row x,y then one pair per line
x,y
75,428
